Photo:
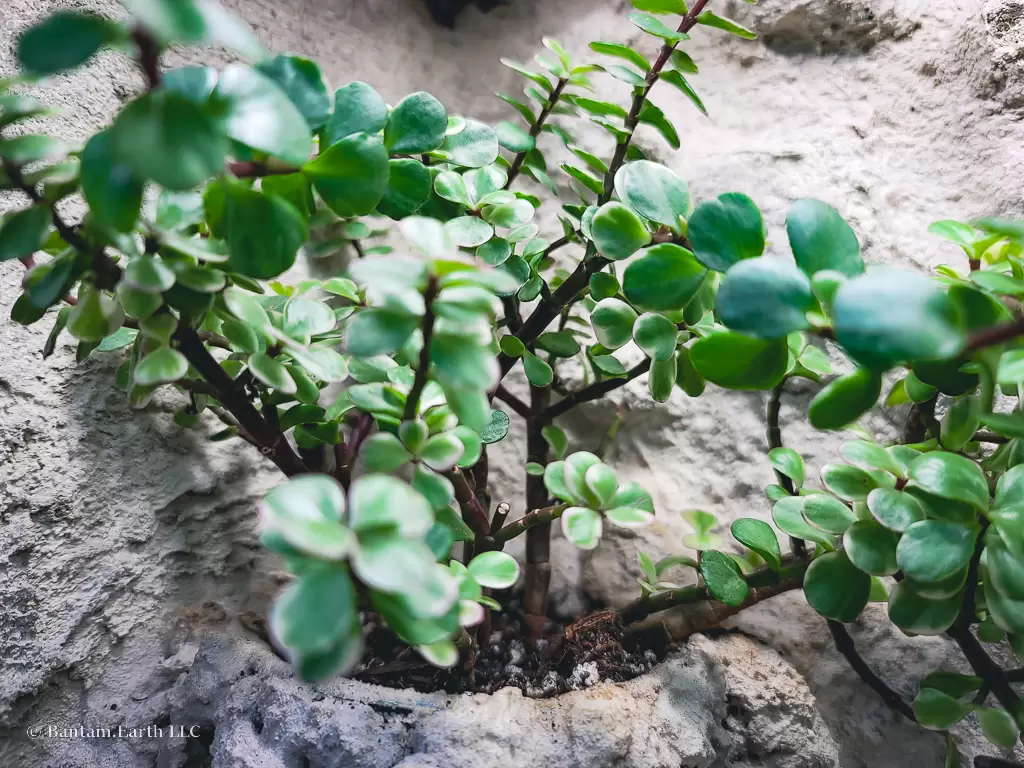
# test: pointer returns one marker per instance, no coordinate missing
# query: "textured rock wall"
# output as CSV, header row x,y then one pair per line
x,y
121,536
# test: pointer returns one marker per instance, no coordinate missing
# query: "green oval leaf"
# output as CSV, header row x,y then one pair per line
x,y
734,361
351,175
845,399
765,297
828,513
302,82
64,40
789,463
871,547
998,726
612,321
656,336
663,278
759,537
821,239
653,191
927,327
314,611
263,233
617,232
723,577
937,710
162,366
581,526
417,124
408,189
272,373
933,550
836,588
358,108
725,231
787,514
476,146
494,570
951,477
23,232
894,509
260,115
167,138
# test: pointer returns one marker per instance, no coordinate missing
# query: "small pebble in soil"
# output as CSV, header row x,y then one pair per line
x,y
584,676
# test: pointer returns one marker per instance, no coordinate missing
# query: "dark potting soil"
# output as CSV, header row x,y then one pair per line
x,y
565,657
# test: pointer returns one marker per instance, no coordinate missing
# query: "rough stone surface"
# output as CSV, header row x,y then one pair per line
x,y
122,537
725,702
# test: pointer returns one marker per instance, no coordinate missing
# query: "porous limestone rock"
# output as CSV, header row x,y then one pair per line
x,y
725,702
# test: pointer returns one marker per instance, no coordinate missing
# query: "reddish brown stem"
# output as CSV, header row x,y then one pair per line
x,y
538,538
472,510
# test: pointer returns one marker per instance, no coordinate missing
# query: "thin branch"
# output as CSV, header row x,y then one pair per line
x,y
548,308
512,401
982,664
535,129
774,436
921,422
512,319
107,273
991,337
528,521
230,421
423,369
360,431
149,56
984,761
764,583
989,437
273,444
845,645
472,510
595,390
610,434
258,169
537,577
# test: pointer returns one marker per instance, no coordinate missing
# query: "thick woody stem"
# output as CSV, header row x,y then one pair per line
x,y
708,612
538,538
